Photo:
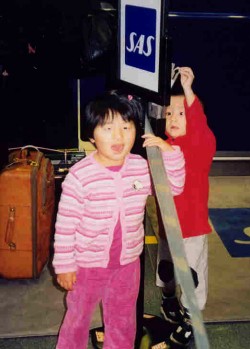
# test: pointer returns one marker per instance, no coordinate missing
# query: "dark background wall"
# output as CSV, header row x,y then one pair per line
x,y
37,98
219,56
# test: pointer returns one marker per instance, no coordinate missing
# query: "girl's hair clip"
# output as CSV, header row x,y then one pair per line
x,y
130,97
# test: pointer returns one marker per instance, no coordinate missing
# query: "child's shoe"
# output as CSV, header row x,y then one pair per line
x,y
172,310
183,334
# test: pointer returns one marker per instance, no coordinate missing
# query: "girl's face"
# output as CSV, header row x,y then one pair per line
x,y
113,140
176,117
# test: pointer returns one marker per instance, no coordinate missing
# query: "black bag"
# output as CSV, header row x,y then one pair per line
x,y
99,39
155,334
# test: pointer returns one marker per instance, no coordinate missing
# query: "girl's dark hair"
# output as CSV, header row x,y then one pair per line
x,y
128,106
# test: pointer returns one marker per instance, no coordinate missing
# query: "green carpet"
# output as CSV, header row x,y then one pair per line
x,y
229,284
233,227
229,278
36,307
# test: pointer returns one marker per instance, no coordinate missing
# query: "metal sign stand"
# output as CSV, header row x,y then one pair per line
x,y
135,72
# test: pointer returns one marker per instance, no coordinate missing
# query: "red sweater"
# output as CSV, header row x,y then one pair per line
x,y
198,146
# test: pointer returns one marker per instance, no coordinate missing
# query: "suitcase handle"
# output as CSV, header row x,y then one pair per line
x,y
10,229
24,151
28,147
22,156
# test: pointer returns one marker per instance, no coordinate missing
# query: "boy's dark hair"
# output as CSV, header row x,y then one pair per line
x,y
128,106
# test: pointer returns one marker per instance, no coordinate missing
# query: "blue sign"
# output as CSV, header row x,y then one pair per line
x,y
140,37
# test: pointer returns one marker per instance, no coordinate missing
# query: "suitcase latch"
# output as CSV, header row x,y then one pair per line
x,y
10,229
32,163
12,246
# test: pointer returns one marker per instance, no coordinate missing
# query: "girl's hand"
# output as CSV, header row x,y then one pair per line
x,y
67,280
153,141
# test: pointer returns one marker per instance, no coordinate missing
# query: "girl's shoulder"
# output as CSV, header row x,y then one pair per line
x,y
137,161
86,161
83,167
137,158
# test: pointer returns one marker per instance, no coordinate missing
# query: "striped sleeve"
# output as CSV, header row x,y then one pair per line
x,y
68,216
174,164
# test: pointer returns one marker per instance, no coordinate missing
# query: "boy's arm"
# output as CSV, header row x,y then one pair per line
x,y
173,160
196,118
200,140
200,143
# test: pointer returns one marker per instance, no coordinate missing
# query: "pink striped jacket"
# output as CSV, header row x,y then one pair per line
x,y
92,200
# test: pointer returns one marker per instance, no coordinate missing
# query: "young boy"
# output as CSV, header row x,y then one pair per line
x,y
99,227
186,126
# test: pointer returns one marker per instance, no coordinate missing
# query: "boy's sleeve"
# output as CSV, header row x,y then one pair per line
x,y
200,142
196,118
68,216
174,164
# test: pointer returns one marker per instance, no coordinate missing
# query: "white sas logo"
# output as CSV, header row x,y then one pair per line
x,y
140,43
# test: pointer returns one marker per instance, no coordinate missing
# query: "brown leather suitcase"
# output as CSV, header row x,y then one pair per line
x,y
27,202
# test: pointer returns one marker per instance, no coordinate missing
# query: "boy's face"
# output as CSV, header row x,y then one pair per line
x,y
113,140
176,117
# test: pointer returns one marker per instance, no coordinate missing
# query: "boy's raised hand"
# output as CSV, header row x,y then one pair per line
x,y
187,77
151,140
67,280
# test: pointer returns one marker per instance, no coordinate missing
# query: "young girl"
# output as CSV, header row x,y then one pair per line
x,y
99,228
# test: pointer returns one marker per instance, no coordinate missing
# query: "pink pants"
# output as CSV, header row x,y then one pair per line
x,y
118,290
